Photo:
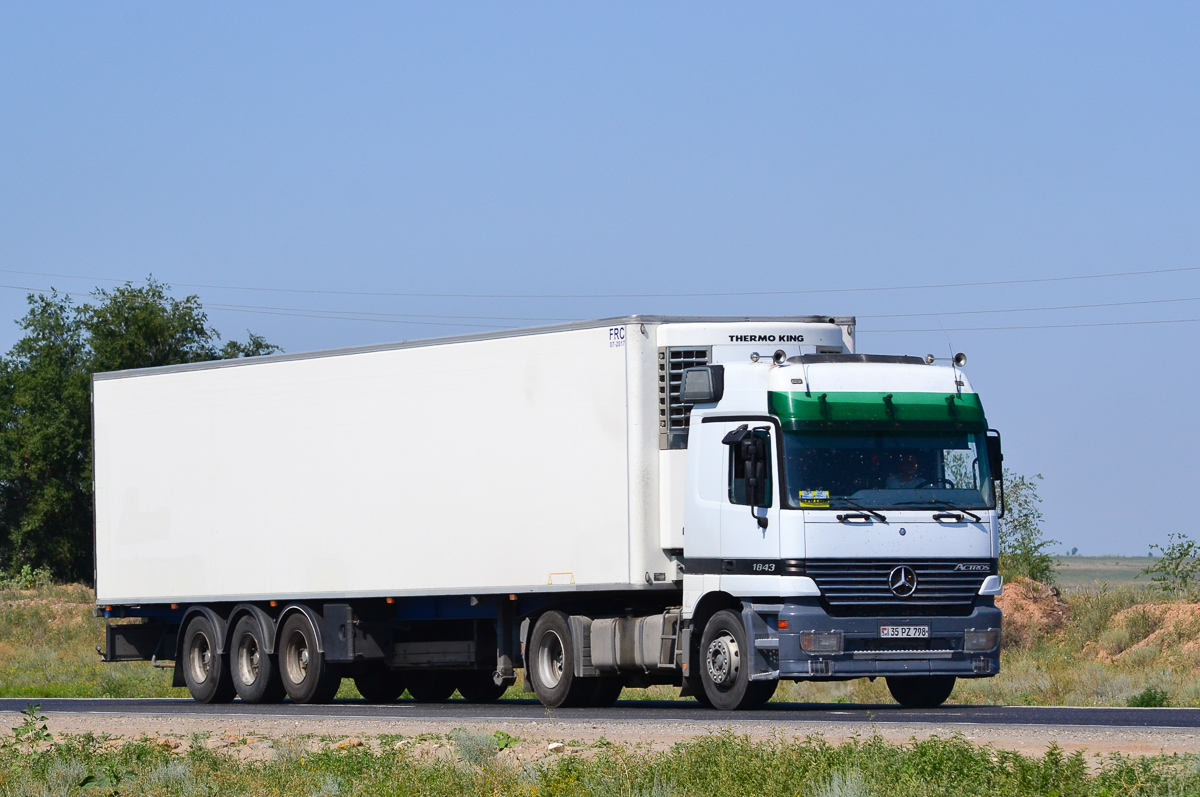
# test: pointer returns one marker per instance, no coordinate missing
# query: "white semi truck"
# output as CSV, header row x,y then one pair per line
x,y
714,503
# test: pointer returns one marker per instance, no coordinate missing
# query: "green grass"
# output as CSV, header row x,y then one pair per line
x,y
48,641
715,764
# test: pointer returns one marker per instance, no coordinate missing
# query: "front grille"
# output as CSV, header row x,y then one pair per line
x,y
674,415
859,587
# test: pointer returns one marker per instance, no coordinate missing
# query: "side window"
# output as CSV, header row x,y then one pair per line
x,y
750,467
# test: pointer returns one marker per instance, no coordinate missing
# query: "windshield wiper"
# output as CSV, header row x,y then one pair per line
x,y
947,505
865,510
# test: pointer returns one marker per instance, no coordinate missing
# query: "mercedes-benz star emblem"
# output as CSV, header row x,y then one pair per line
x,y
902,581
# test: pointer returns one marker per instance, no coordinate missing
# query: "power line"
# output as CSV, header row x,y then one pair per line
x,y
416,295
418,319
296,314
1036,309
1042,326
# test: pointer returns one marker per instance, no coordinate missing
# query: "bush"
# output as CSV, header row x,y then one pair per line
x,y
1150,697
1178,570
26,578
1022,546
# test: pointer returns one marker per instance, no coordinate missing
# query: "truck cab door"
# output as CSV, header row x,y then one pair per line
x,y
750,510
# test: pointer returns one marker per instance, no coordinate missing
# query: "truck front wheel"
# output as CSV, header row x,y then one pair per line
x,y
205,669
920,691
307,677
725,665
553,671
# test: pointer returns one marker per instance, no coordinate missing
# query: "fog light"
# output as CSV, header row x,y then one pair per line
x,y
981,666
812,642
981,640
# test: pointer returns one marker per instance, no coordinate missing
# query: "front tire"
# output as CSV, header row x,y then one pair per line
x,y
307,677
725,660
255,673
205,668
921,691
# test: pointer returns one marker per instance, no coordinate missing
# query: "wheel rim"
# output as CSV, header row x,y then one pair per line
x,y
551,659
249,659
200,658
297,657
724,659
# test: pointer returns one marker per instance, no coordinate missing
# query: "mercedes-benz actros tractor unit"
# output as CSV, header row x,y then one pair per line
x,y
714,503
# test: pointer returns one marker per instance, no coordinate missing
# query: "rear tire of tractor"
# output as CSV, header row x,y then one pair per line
x,y
553,664
378,683
478,686
431,686
205,668
255,672
307,677
921,691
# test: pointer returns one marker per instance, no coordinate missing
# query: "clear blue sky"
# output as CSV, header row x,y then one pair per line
x,y
598,149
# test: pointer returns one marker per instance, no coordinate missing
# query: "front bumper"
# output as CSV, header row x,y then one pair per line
x,y
778,652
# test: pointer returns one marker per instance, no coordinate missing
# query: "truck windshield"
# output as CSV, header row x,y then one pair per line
x,y
887,469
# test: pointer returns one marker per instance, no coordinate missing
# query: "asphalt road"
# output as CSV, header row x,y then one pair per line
x,y
631,712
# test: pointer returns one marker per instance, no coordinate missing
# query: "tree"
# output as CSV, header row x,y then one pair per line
x,y
45,409
1022,546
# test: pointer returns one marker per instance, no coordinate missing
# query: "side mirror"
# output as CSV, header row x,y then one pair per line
x,y
995,455
996,466
755,459
703,385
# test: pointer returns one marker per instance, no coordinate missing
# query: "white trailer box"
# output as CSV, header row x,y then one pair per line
x,y
533,461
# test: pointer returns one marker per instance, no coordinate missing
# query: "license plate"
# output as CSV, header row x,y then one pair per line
x,y
904,631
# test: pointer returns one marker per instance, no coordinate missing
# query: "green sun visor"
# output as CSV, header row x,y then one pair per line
x,y
860,410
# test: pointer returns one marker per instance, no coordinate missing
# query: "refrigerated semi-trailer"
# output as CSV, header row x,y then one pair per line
x,y
713,503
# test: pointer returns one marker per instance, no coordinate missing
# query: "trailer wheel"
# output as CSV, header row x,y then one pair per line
x,y
920,691
477,686
255,673
307,677
205,670
378,683
431,686
725,665
553,671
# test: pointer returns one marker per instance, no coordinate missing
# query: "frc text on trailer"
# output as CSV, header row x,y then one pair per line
x,y
713,503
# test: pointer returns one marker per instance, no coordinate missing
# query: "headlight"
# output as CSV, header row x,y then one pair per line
x,y
981,640
812,642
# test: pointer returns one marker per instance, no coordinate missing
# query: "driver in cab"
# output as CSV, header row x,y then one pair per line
x,y
908,473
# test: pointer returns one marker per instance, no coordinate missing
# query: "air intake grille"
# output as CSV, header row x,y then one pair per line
x,y
859,587
672,413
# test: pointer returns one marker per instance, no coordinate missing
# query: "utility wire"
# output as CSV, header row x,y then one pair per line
x,y
1035,309
1042,326
464,321
809,291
